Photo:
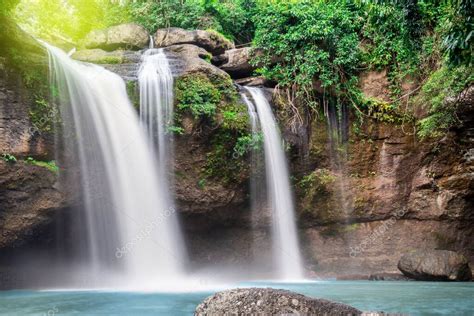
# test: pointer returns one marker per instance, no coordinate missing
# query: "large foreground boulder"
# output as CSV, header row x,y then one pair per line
x,y
127,36
210,41
435,265
266,301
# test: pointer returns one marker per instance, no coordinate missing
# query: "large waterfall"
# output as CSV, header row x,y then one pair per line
x,y
285,240
131,236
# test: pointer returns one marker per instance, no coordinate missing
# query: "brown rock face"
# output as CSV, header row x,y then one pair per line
x,y
28,198
28,193
206,201
236,62
210,41
375,84
188,59
258,301
435,265
18,135
127,36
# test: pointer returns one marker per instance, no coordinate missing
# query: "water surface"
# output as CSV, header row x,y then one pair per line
x,y
414,298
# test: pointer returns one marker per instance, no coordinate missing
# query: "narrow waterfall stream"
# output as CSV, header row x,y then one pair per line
x,y
285,240
131,235
156,110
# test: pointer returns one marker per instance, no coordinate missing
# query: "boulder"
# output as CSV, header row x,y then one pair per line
x,y
100,56
213,42
128,36
267,301
435,265
186,59
236,62
255,82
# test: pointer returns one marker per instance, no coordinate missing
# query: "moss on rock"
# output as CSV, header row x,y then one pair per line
x,y
214,103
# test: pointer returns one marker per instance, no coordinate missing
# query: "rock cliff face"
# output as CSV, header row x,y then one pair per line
x,y
29,195
391,194
360,205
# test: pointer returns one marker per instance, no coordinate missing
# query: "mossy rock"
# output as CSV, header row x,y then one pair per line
x,y
24,57
214,104
99,56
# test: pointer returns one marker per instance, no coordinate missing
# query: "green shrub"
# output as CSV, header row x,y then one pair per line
x,y
43,115
302,42
9,158
232,18
197,94
50,165
443,83
316,181
175,130
248,143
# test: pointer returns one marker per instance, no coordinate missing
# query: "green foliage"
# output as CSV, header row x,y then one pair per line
x,y
220,162
233,122
234,116
248,143
201,183
316,181
197,94
382,111
214,101
7,5
442,84
233,18
9,158
459,35
408,35
111,60
43,115
50,165
392,34
167,13
175,130
309,40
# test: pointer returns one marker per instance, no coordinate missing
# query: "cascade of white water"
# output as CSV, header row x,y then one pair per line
x,y
151,44
131,232
156,109
285,240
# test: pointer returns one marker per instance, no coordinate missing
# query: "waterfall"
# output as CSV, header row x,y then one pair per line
x,y
130,236
151,44
156,110
156,114
285,240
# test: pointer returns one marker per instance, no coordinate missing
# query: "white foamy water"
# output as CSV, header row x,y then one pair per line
x,y
285,240
156,110
131,235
